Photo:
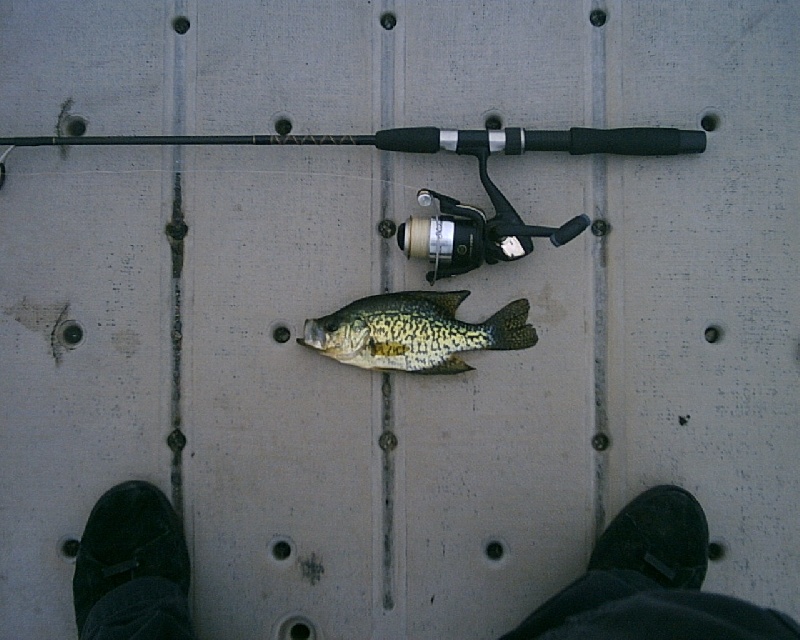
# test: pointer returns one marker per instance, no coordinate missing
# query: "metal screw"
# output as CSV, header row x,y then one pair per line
x,y
600,227
600,442
176,441
387,228
387,441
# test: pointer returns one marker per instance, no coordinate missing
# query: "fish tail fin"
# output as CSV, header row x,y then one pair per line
x,y
508,327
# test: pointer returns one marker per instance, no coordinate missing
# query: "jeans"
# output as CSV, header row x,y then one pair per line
x,y
626,605
602,605
149,608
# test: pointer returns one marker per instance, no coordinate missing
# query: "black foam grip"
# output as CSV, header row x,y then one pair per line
x,y
570,230
546,140
411,139
513,141
636,141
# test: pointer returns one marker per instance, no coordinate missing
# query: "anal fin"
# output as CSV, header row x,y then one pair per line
x,y
452,365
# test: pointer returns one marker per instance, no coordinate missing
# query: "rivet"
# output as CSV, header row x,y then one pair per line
x,y
600,442
283,126
598,17
712,334
69,333
388,21
716,551
181,25
493,122
300,631
388,441
68,548
281,548
600,227
75,126
387,228
73,333
281,334
494,550
296,628
710,120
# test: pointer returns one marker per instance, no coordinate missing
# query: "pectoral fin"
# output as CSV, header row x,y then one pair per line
x,y
387,349
452,365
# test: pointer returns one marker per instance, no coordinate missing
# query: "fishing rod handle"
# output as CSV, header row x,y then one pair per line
x,y
635,141
630,141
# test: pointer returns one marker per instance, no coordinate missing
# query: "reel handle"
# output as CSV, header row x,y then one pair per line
x,y
570,230
559,236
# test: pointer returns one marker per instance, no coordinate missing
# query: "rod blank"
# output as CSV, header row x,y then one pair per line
x,y
273,139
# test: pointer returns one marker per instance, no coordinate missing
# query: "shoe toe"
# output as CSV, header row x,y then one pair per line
x,y
131,532
663,534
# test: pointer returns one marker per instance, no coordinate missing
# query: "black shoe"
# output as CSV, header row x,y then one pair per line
x,y
662,534
132,532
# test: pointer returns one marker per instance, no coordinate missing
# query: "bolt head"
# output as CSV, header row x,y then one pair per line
x,y
177,230
387,441
600,227
387,228
176,441
600,442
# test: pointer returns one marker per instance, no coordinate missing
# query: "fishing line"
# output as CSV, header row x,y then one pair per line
x,y
210,172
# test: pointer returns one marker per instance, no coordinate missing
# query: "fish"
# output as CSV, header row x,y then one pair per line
x,y
415,331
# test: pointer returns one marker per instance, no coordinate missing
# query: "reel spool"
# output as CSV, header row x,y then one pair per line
x,y
452,243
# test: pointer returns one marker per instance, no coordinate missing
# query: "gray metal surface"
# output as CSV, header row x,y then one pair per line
x,y
388,488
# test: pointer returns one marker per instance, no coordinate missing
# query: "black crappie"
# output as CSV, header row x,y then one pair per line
x,y
415,331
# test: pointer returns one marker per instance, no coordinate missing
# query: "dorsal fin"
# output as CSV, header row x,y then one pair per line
x,y
446,301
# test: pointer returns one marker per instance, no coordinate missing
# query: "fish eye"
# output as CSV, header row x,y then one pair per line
x,y
330,325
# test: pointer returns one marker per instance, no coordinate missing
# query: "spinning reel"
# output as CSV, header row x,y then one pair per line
x,y
462,239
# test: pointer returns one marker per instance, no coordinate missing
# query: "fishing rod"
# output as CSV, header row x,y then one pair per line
x,y
461,238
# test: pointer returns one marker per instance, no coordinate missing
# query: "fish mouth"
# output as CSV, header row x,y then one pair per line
x,y
313,335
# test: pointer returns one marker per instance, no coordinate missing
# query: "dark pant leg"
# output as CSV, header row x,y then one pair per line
x,y
150,608
588,592
622,605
